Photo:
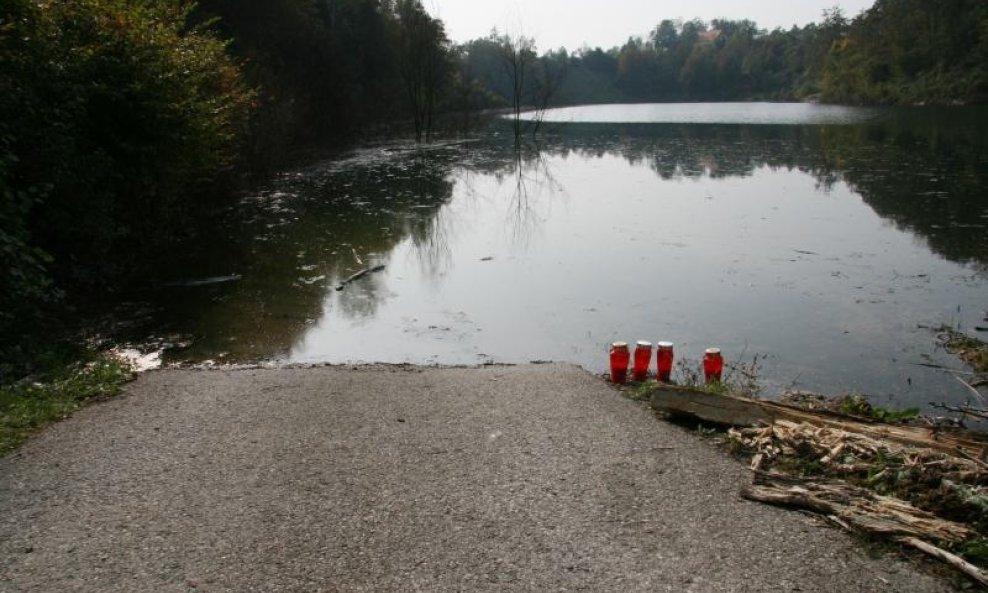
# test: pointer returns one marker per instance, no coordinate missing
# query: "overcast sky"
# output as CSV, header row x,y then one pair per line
x,y
607,23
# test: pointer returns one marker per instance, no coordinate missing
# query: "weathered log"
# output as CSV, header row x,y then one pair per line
x,y
847,454
358,276
862,509
738,411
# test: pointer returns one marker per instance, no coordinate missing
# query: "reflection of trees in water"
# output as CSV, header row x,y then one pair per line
x,y
406,199
294,242
431,238
932,184
928,179
533,177
527,173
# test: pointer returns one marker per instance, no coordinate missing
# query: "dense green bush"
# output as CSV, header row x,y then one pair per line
x,y
124,114
26,285
117,118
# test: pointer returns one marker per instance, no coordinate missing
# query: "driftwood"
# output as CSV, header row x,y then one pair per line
x,y
833,452
844,453
738,411
859,449
359,275
956,561
859,508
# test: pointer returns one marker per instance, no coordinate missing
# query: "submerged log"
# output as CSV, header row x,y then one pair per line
x,y
738,411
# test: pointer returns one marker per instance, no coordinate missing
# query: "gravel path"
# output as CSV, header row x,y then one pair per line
x,y
396,479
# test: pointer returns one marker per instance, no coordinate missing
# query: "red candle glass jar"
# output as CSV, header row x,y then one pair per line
x,y
619,362
713,365
664,362
643,357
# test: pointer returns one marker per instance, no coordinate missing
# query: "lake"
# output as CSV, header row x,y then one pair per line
x,y
828,241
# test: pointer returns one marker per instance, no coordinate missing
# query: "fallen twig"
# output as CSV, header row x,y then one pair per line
x,y
956,561
977,394
967,410
942,368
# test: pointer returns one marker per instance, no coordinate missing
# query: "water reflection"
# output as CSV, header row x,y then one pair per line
x,y
747,236
927,180
295,241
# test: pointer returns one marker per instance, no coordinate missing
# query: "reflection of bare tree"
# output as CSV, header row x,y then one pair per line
x,y
431,239
533,177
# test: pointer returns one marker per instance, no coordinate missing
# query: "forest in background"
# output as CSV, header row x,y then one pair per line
x,y
898,52
125,123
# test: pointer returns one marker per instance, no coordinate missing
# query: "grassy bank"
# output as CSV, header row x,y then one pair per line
x,y
35,402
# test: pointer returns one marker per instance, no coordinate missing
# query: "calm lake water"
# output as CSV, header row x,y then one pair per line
x,y
827,240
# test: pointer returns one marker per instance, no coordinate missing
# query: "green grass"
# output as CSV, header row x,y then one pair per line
x,y
858,405
740,379
29,405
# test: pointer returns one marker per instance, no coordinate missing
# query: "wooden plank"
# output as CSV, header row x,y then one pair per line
x,y
738,411
734,411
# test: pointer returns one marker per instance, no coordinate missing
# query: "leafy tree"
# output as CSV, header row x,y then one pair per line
x,y
665,37
127,116
909,51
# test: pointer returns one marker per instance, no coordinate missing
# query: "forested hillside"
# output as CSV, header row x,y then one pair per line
x,y
911,51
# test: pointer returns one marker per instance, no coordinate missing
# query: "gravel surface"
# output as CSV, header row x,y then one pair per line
x,y
340,479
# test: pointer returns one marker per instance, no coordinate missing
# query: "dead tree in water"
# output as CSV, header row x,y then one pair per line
x,y
517,57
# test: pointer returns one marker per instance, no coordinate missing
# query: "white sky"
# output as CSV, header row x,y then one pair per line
x,y
608,23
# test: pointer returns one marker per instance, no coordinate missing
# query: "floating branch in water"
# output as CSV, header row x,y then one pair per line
x,y
965,410
359,275
204,281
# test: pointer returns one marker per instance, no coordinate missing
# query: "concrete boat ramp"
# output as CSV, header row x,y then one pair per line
x,y
395,479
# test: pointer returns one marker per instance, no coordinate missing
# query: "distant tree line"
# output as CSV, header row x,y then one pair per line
x,y
899,51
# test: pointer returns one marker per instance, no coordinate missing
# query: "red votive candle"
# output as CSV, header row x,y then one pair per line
x,y
713,365
664,362
619,362
643,357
